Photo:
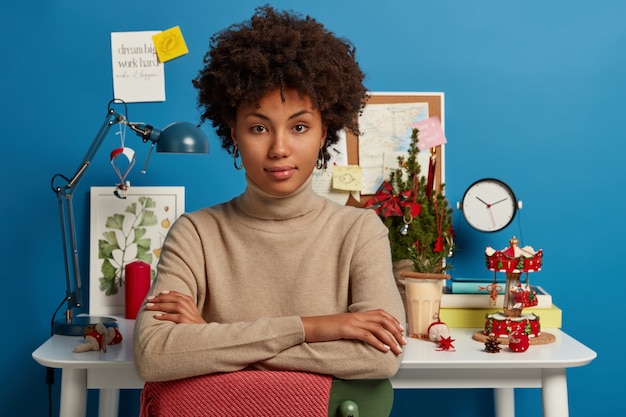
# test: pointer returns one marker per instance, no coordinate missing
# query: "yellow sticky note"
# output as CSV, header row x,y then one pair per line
x,y
347,177
170,44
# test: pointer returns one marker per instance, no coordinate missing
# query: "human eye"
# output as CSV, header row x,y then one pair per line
x,y
301,128
258,129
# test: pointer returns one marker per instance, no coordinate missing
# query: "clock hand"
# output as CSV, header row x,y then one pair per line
x,y
482,201
499,201
493,221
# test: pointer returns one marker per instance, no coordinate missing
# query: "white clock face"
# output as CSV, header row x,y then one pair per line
x,y
489,205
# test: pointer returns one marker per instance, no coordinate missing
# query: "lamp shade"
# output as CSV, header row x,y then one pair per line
x,y
180,137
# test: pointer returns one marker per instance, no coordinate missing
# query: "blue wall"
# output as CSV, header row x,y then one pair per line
x,y
534,95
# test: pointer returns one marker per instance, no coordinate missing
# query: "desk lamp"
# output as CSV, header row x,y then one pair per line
x,y
178,137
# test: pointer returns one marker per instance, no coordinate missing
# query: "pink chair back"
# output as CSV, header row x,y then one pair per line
x,y
239,394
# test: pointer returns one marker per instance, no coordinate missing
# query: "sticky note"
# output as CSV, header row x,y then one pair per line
x,y
430,133
170,44
347,177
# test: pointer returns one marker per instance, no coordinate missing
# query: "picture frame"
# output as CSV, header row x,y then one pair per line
x,y
124,231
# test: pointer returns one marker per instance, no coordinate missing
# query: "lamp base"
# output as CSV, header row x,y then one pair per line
x,y
78,324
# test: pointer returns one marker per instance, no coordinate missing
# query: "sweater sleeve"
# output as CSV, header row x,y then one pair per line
x,y
165,351
372,286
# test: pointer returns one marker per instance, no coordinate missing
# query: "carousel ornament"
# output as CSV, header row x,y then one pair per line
x,y
510,325
514,261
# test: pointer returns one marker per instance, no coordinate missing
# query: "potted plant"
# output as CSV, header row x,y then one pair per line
x,y
419,219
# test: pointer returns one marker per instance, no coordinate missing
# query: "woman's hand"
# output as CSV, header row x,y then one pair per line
x,y
174,306
376,327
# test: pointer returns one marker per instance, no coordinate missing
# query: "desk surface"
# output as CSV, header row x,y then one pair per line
x,y
58,351
565,352
423,366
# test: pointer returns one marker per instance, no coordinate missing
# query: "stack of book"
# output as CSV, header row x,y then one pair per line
x,y
466,302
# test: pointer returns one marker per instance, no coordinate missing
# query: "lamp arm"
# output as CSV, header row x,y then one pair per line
x,y
66,212
112,118
70,254
145,131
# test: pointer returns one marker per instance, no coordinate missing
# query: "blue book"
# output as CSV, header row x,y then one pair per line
x,y
483,286
451,299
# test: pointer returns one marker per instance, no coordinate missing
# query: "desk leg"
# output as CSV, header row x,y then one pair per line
x,y
109,402
504,402
554,392
73,393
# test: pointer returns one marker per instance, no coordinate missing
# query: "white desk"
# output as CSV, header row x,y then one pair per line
x,y
469,366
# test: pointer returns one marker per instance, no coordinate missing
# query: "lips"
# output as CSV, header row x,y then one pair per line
x,y
281,173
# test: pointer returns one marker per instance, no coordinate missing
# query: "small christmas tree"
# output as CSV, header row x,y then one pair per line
x,y
417,214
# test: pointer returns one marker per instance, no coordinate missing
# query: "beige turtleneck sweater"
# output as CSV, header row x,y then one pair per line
x,y
255,265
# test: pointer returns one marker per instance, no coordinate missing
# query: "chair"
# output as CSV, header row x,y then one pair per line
x,y
250,393
360,398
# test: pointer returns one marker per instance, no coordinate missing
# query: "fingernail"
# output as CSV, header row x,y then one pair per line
x,y
151,297
157,315
165,292
387,347
149,304
400,347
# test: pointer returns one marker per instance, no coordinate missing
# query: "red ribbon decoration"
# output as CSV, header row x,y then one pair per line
x,y
386,203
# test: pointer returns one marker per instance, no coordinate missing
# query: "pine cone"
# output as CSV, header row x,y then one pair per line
x,y
492,345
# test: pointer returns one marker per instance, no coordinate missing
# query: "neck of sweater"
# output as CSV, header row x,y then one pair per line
x,y
258,204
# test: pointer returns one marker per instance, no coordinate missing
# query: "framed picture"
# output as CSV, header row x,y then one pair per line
x,y
124,231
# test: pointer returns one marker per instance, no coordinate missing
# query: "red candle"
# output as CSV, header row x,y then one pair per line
x,y
137,286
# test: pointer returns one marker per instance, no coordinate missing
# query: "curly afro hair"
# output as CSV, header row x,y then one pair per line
x,y
278,50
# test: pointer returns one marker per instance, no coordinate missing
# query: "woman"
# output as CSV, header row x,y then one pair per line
x,y
278,278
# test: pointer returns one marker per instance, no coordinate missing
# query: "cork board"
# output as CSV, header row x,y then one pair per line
x,y
435,103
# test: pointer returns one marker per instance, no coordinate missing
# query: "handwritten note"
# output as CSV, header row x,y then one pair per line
x,y
138,75
170,44
347,177
430,133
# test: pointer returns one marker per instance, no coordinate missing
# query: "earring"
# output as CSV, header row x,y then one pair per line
x,y
321,162
235,156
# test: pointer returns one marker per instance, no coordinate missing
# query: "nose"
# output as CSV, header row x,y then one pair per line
x,y
279,147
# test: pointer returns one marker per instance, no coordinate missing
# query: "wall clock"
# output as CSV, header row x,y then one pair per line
x,y
489,205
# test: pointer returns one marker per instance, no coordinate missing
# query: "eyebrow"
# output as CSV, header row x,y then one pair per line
x,y
293,116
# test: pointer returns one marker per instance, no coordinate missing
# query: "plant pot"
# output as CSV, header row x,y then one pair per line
x,y
423,299
398,267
